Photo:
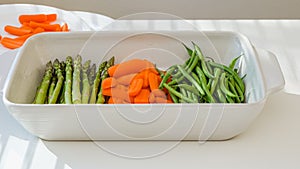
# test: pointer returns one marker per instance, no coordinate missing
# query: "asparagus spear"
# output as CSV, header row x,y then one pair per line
x,y
62,93
76,95
110,63
51,88
96,83
68,81
85,83
92,72
43,89
59,83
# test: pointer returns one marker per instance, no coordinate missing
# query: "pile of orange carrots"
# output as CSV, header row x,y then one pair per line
x,y
134,81
30,25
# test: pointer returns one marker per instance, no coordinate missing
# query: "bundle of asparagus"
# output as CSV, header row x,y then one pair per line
x,y
70,82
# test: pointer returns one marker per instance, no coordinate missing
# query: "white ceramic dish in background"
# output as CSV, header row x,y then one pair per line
x,y
139,122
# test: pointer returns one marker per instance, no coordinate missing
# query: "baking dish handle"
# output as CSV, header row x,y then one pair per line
x,y
272,73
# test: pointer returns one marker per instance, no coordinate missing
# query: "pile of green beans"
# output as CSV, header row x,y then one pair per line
x,y
199,80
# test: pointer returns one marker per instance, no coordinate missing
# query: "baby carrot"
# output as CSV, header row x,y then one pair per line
x,y
51,17
109,83
16,30
160,100
143,75
11,43
65,27
153,81
135,87
131,66
143,96
151,98
126,79
159,93
111,70
33,17
47,27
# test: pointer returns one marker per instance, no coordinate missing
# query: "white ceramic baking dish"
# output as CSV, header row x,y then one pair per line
x,y
141,121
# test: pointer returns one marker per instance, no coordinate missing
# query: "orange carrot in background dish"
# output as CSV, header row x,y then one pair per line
x,y
65,27
32,24
33,17
16,30
47,27
51,17
11,43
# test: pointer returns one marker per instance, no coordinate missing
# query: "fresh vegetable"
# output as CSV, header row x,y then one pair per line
x,y
137,81
31,25
70,82
202,80
41,95
110,63
86,87
59,84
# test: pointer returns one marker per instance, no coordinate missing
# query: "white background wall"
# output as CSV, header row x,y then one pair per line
x,y
189,9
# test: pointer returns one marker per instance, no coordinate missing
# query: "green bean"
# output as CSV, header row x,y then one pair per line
x,y
189,88
233,62
176,93
183,91
190,51
233,73
196,77
221,97
166,77
216,80
209,84
203,62
201,75
191,79
240,93
223,87
232,88
229,99
195,98
174,98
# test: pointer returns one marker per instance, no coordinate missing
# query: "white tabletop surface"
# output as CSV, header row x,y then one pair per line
x,y
272,141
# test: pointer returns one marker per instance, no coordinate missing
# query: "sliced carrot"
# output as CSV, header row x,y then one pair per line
x,y
47,27
126,79
32,17
109,82
0,37
159,93
151,98
107,92
160,100
153,70
65,27
51,17
143,96
16,30
110,100
153,81
111,70
135,87
11,43
131,66
143,75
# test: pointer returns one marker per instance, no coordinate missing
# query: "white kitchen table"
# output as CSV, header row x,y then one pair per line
x,y
272,141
